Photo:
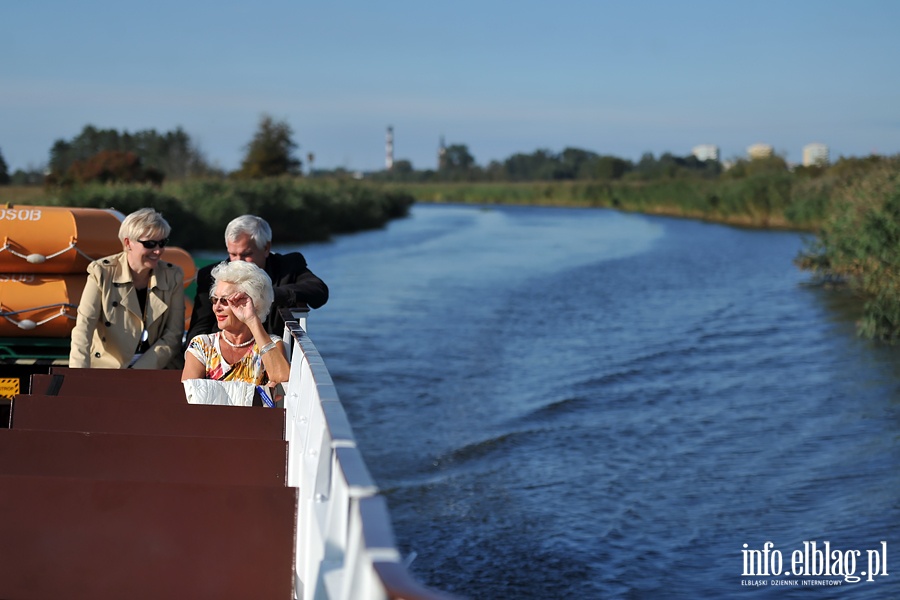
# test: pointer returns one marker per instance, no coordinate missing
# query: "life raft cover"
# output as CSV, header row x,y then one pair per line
x,y
46,305
38,305
55,239
182,258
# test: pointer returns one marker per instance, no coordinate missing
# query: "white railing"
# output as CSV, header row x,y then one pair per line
x,y
345,547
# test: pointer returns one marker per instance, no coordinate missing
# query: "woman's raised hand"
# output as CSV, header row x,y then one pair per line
x,y
242,307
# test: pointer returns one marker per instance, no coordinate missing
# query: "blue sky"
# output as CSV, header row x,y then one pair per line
x,y
620,78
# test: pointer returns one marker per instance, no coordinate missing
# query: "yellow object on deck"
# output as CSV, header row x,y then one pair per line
x,y
9,387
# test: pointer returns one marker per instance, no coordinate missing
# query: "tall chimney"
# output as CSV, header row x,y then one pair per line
x,y
389,149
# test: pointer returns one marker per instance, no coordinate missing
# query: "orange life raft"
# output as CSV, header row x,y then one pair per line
x,y
39,305
43,265
179,256
53,239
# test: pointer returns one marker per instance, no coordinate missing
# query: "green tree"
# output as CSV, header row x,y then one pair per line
x,y
113,166
171,153
4,171
495,171
271,152
648,167
86,144
402,170
403,167
540,164
457,158
768,165
854,167
32,176
573,163
605,168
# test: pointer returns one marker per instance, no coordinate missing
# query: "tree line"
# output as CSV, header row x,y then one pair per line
x,y
168,172
148,156
456,164
110,156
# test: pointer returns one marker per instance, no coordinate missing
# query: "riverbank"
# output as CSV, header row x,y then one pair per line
x,y
298,210
769,201
859,244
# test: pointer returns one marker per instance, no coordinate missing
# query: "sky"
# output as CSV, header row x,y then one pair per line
x,y
501,77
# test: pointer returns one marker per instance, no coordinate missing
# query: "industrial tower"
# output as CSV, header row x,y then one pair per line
x,y
389,149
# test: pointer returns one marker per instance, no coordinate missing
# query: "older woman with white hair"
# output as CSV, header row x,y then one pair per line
x,y
131,312
242,350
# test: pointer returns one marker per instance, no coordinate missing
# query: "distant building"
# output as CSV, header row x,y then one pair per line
x,y
706,152
760,151
815,154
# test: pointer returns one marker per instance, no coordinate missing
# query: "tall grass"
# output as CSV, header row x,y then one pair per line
x,y
21,194
765,200
859,245
198,211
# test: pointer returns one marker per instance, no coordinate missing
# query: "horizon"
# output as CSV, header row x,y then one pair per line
x,y
620,80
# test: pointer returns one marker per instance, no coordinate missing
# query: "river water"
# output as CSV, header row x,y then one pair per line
x,y
566,403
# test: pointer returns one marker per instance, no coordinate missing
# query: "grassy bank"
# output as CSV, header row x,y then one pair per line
x,y
298,210
780,200
858,245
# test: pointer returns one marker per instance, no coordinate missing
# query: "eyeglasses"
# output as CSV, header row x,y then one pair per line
x,y
216,300
151,244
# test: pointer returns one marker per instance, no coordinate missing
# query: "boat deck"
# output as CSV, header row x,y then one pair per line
x,y
111,486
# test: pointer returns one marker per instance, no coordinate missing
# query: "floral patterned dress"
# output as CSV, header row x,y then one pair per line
x,y
250,368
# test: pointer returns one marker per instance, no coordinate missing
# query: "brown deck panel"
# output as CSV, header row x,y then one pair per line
x,y
45,383
117,457
97,540
127,384
106,415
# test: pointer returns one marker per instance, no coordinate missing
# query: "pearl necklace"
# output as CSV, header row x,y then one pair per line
x,y
233,345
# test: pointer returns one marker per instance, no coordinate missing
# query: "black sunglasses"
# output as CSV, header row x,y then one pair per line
x,y
151,244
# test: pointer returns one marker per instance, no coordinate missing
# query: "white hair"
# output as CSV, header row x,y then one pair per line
x,y
256,227
250,279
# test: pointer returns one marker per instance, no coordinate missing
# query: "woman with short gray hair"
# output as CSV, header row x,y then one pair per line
x,y
131,312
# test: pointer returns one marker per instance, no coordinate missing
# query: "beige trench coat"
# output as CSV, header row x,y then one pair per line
x,y
109,323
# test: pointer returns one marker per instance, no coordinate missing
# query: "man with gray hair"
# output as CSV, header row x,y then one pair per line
x,y
249,238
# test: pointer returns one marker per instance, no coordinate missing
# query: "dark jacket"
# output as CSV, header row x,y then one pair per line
x,y
295,286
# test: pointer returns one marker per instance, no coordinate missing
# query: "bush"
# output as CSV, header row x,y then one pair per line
x,y
199,211
859,244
